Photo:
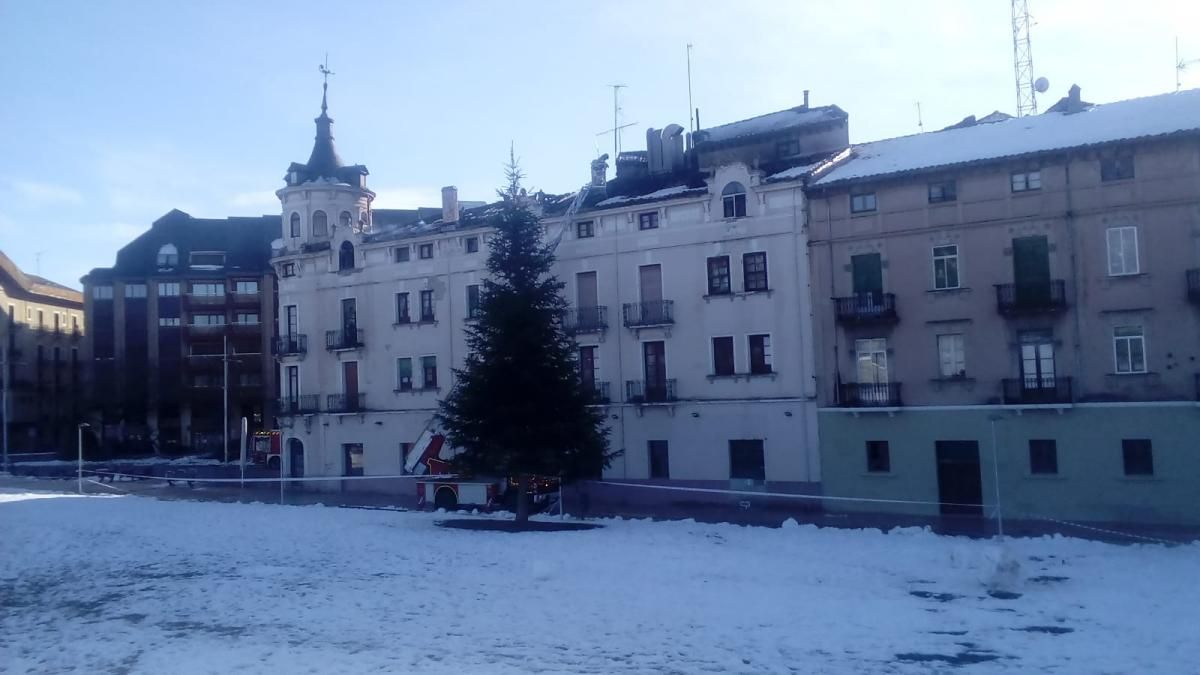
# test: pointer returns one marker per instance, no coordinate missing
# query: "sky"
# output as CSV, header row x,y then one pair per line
x,y
114,113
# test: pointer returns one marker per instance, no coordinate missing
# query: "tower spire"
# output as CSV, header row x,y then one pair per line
x,y
326,72
324,160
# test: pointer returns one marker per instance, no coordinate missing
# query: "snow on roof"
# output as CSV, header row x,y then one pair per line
x,y
676,191
1122,120
793,173
776,121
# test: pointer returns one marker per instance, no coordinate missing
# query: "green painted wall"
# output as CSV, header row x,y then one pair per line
x,y
1090,486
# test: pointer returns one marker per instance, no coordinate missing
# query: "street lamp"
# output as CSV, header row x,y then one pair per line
x,y
79,471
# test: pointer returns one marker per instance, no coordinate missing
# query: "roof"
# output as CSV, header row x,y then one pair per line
x,y
324,161
246,242
770,123
1134,119
18,283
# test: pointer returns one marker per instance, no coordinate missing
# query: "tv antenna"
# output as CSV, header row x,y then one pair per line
x,y
691,110
617,126
1023,59
1181,65
920,123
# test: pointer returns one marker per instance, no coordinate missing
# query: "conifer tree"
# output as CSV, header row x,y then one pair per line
x,y
518,408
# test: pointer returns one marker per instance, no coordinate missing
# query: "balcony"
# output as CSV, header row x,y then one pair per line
x,y
345,338
1037,390
249,380
639,392
246,328
599,392
207,328
582,320
205,299
869,395
346,403
866,308
647,314
1193,286
290,345
245,299
297,405
1048,297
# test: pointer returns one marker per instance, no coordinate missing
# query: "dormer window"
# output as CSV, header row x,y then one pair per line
x,y
787,147
168,256
733,197
207,259
320,224
295,225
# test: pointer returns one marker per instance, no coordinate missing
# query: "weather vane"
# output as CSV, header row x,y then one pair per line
x,y
324,68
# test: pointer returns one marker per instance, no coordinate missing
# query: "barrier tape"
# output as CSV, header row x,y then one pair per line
x,y
783,495
1118,533
305,479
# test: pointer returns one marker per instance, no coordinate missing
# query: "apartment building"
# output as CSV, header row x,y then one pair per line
x,y
41,332
688,277
183,298
1007,312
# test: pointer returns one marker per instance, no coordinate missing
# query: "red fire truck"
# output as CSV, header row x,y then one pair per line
x,y
265,449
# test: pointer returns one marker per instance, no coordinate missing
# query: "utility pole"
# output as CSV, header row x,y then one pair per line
x,y
691,110
225,399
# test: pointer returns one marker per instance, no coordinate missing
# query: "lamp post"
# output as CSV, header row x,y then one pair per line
x,y
79,466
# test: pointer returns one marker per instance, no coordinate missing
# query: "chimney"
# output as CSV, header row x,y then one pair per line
x,y
600,171
806,99
1073,94
449,204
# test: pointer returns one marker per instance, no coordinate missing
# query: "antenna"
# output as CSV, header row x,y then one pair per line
x,y
691,118
920,124
1023,59
37,262
1181,65
617,126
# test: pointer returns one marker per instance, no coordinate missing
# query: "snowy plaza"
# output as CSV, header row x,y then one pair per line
x,y
137,585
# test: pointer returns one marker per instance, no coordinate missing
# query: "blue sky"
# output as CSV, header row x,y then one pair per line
x,y
113,113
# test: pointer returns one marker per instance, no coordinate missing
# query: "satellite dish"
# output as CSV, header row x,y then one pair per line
x,y
1040,85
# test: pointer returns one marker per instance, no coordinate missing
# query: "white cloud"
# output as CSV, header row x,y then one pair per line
x,y
36,191
407,197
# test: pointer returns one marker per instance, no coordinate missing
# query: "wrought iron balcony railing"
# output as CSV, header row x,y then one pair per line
x,y
639,391
1048,297
869,395
344,338
1036,390
643,314
866,308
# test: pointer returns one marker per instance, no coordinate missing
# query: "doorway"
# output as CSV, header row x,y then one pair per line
x,y
296,457
1031,270
960,485
654,359
350,383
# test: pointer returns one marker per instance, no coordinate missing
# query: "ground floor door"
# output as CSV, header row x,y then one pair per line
x,y
296,457
960,487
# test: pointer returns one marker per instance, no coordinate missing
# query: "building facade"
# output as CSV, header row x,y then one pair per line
x,y
1007,313
184,298
42,340
688,278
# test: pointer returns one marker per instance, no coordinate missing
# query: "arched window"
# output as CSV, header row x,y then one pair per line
x,y
734,199
344,219
168,256
346,256
320,224
295,225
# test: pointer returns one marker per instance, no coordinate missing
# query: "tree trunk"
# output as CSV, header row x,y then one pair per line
x,y
522,498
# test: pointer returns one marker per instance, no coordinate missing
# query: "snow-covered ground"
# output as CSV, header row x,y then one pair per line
x,y
135,585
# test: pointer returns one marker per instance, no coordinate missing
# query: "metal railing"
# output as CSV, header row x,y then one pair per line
x,y
869,395
655,313
1036,298
661,391
205,299
344,338
586,319
599,391
353,402
288,345
245,298
297,405
1036,390
866,308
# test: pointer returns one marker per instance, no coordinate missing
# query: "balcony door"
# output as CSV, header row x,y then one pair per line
x,y
650,292
1031,270
291,321
349,318
872,366
1037,361
585,290
350,382
293,384
866,272
654,361
588,363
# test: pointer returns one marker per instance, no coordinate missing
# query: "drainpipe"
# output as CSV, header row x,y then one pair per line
x,y
837,365
1075,284
618,316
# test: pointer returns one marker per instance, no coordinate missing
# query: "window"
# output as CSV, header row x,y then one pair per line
x,y
245,287
585,229
320,224
400,254
648,220
1118,167
760,354
733,199
208,319
945,267
863,203
208,289
787,147
472,244
722,348
402,315
660,464
287,269
1024,181
1122,251
473,311
718,275
74,323
293,384
952,355
246,318
291,320
1139,456
429,372
168,321
168,256
1043,456
944,191
344,219
879,457
294,225
404,380
746,460
589,366
346,256
102,293
353,453
425,251
754,272
208,259
427,305
1129,348
168,289
135,290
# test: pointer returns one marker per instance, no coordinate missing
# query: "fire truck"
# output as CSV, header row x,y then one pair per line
x,y
265,449
430,455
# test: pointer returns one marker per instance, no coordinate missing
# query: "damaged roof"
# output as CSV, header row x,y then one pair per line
x,y
771,123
